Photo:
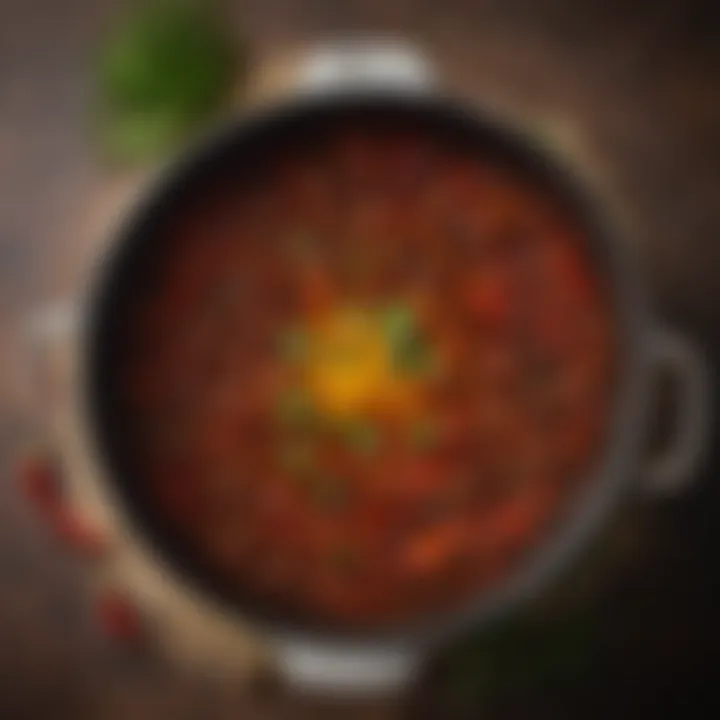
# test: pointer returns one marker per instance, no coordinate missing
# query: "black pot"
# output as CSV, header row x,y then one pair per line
x,y
364,83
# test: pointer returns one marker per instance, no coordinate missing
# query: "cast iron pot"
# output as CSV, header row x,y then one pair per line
x,y
362,81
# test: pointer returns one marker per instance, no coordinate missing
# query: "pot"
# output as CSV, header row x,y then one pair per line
x,y
363,79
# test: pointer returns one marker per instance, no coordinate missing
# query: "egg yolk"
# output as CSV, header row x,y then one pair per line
x,y
350,368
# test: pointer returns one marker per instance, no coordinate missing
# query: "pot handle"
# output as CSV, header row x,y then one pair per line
x,y
346,671
673,467
356,65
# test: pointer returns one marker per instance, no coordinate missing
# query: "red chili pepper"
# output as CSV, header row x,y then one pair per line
x,y
41,481
78,533
118,616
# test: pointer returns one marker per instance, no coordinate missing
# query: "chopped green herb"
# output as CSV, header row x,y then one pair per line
x,y
362,437
411,354
295,409
328,492
414,357
294,345
424,434
297,457
399,323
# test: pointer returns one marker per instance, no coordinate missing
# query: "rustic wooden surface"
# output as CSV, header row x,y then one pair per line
x,y
636,81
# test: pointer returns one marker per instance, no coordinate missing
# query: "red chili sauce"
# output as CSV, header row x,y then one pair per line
x,y
365,385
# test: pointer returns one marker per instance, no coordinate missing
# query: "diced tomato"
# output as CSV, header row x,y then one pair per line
x,y
429,551
487,297
419,475
514,520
